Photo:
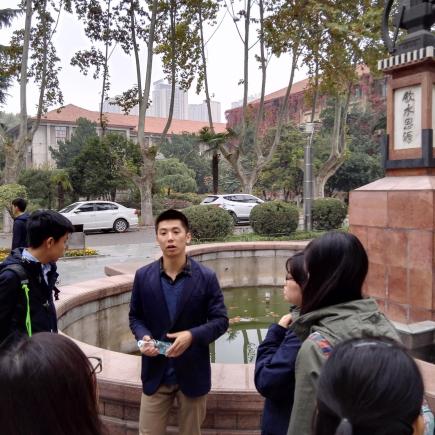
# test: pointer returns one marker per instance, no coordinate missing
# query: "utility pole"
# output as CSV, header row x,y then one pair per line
x,y
309,128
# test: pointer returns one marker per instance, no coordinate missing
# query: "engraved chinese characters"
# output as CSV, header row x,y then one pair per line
x,y
407,117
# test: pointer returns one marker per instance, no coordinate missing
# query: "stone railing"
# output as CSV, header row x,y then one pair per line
x,y
234,407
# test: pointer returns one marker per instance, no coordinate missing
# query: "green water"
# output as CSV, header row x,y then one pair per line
x,y
251,310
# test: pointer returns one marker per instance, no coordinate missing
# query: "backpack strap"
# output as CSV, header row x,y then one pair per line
x,y
322,342
19,270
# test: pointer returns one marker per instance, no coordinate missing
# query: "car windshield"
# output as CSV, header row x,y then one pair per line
x,y
69,208
209,199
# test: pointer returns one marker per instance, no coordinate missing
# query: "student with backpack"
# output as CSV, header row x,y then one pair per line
x,y
28,276
333,309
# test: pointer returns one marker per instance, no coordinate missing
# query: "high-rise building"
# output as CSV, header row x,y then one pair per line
x,y
110,106
162,99
199,112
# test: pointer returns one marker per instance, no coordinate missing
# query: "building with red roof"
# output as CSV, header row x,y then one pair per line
x,y
58,125
368,89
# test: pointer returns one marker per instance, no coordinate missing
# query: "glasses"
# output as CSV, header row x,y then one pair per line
x,y
96,364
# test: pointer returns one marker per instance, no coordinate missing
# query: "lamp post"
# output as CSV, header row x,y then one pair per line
x,y
309,128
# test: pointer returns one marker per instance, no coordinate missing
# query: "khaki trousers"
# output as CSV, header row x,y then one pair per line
x,y
154,411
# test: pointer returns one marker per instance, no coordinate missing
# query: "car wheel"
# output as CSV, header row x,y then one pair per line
x,y
233,215
120,225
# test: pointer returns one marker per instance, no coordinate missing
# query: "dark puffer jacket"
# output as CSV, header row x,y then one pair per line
x,y
13,306
19,232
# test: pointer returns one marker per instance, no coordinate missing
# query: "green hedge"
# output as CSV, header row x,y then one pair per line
x,y
193,198
208,222
274,218
328,213
162,203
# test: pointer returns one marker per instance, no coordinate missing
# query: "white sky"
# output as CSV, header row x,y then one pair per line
x,y
224,57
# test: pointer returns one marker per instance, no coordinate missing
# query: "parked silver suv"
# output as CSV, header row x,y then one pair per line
x,y
239,205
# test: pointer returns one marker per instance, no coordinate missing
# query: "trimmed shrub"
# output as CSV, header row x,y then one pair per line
x,y
328,213
162,203
193,198
274,218
208,222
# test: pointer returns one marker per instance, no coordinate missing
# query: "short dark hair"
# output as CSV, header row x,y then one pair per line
x,y
296,268
172,215
368,386
43,224
336,264
21,203
47,387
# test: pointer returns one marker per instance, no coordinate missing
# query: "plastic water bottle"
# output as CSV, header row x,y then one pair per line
x,y
161,346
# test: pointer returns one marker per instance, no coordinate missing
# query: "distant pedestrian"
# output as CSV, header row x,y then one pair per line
x,y
28,276
19,232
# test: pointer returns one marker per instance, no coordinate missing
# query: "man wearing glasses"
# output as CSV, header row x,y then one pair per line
x,y
175,300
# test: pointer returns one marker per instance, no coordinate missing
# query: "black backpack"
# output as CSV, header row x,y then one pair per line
x,y
20,271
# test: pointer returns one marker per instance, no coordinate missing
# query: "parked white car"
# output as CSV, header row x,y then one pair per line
x,y
101,215
239,205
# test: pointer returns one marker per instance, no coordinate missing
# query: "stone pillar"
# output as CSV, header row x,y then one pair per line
x,y
394,216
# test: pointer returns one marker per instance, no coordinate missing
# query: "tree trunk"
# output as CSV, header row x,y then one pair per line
x,y
338,146
60,196
215,171
17,163
215,157
148,151
103,120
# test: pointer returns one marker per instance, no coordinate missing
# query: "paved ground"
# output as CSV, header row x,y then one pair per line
x,y
135,245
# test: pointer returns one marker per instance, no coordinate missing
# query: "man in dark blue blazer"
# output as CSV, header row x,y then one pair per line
x,y
179,300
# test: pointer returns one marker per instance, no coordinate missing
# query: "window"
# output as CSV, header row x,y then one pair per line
x,y
60,133
69,208
209,199
250,199
104,206
86,208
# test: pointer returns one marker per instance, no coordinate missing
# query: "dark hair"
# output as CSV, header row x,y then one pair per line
x,y
295,267
21,203
171,214
368,386
47,387
336,264
43,224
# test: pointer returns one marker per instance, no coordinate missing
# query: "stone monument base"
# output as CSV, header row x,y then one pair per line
x,y
394,219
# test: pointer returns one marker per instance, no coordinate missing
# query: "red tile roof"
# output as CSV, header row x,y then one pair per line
x,y
303,85
70,113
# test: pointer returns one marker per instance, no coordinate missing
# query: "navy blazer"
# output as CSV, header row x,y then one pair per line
x,y
200,310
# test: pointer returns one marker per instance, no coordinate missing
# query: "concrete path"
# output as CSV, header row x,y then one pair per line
x,y
140,246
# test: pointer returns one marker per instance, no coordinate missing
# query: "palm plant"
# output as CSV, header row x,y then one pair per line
x,y
60,180
214,141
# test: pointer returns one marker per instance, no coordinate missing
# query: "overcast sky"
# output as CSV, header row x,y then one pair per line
x,y
224,57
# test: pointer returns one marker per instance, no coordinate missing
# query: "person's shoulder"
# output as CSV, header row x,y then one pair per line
x,y
148,268
22,218
200,268
11,270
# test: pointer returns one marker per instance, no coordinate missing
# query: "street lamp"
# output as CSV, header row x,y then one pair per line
x,y
309,128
